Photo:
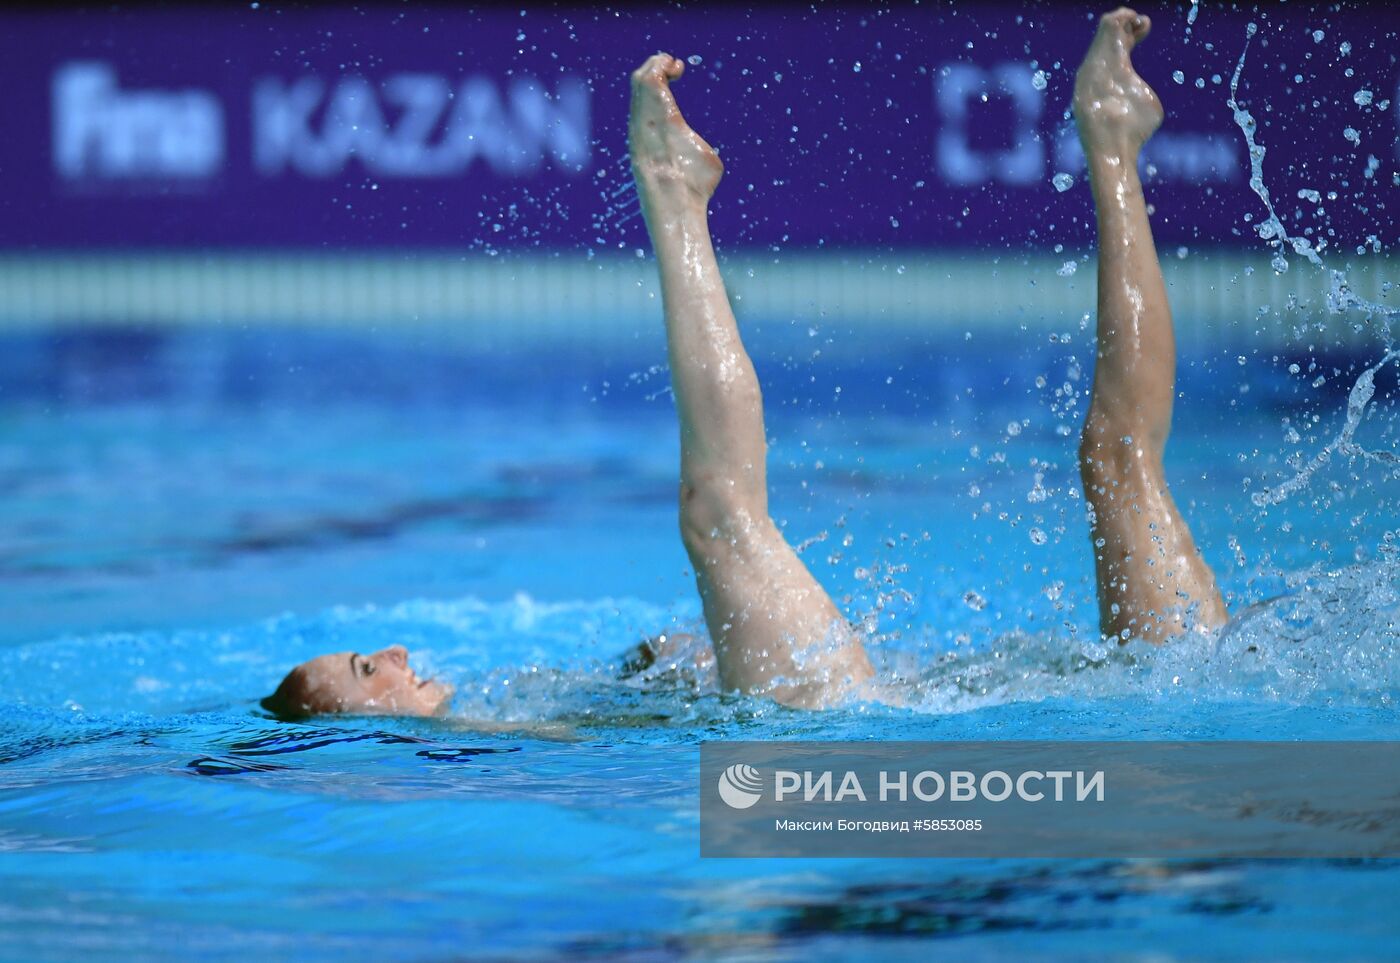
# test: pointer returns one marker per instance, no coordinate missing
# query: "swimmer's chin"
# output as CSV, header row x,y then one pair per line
x,y
430,698
439,696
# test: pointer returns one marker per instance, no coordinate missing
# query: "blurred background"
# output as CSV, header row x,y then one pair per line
x,y
302,306
336,327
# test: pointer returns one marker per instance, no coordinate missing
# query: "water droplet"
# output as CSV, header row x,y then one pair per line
x,y
1038,80
1317,36
1038,537
974,601
695,60
1067,269
1062,181
1363,97
1178,77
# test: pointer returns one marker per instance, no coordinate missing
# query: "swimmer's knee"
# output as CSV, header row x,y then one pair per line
x,y
704,513
1113,452
1098,467
711,510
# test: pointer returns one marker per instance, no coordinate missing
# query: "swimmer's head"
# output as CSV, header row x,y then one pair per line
x,y
381,684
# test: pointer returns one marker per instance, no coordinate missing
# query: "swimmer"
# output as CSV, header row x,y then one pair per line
x,y
1153,583
774,630
383,684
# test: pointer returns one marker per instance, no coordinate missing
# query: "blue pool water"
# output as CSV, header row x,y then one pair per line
x,y
186,516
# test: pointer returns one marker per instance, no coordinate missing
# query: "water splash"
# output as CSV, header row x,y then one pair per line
x,y
613,223
1272,229
1340,298
1343,444
1288,650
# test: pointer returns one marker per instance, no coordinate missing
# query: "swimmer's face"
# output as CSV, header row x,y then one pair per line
x,y
379,684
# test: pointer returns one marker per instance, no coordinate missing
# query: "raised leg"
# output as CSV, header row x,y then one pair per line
x,y
1152,582
774,629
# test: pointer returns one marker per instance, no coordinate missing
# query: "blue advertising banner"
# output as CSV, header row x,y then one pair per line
x,y
504,129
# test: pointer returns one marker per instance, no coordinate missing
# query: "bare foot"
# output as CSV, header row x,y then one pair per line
x,y
1115,109
666,153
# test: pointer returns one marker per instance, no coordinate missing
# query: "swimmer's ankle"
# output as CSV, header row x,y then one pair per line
x,y
663,182
1118,167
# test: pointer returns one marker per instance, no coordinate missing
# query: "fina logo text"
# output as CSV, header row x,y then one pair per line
x,y
408,125
741,786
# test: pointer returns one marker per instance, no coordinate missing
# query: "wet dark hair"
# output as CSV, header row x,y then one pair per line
x,y
290,701
281,710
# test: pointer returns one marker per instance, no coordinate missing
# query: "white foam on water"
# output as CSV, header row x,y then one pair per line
x,y
1334,640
